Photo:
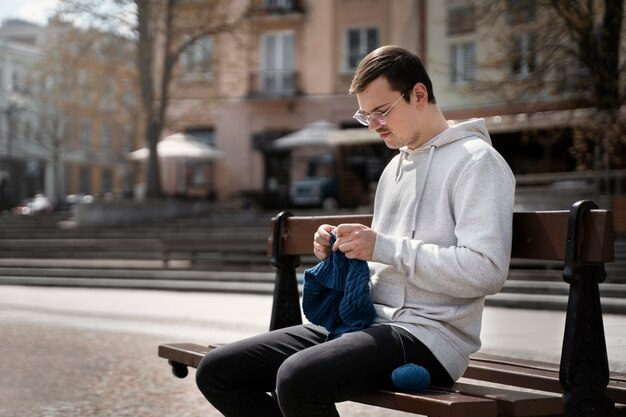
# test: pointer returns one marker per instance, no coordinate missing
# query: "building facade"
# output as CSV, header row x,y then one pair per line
x,y
23,164
292,64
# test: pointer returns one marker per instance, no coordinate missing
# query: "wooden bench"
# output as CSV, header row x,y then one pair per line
x,y
581,385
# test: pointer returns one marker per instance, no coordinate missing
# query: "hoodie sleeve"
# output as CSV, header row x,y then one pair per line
x,y
477,265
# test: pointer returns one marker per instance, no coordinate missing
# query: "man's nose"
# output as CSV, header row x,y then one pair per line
x,y
373,125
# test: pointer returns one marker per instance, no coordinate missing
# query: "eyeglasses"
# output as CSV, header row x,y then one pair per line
x,y
376,119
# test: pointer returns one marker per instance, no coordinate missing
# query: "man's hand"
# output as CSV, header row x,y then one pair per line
x,y
355,241
321,242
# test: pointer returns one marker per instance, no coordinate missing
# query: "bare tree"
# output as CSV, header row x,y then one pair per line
x,y
80,66
564,50
163,30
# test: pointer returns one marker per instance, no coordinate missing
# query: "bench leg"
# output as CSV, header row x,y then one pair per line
x,y
286,302
584,373
178,369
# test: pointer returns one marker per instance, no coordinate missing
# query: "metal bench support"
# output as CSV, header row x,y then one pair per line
x,y
584,370
286,301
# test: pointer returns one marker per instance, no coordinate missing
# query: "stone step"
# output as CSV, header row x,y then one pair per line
x,y
549,302
559,288
252,287
143,273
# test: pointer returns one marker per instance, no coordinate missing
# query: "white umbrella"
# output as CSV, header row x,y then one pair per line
x,y
314,134
356,136
179,145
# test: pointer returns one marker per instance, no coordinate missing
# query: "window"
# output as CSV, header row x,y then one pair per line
x,y
359,42
262,141
126,141
279,4
84,88
571,76
28,131
106,99
84,135
106,138
462,63
203,135
84,180
106,185
524,59
197,58
461,20
520,11
129,96
277,74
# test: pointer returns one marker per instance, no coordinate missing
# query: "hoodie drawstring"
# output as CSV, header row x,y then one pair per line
x,y
420,192
403,155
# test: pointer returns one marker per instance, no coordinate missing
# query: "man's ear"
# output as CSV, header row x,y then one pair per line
x,y
421,94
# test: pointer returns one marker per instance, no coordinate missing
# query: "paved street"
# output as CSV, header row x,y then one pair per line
x,y
85,352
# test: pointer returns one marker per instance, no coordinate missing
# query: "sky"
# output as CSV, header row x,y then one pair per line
x,y
35,11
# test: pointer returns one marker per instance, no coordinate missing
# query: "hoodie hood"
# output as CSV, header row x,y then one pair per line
x,y
473,128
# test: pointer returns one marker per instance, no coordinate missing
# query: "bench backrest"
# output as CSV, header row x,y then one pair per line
x,y
536,235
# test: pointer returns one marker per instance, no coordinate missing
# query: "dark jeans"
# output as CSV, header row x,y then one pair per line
x,y
308,373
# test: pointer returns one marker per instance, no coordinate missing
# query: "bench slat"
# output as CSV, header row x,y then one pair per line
x,y
298,226
444,404
188,354
514,403
528,363
533,377
536,235
542,235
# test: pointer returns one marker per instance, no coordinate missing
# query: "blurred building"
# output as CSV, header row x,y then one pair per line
x,y
23,164
292,66
69,112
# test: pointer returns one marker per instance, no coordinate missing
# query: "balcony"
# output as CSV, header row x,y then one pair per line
x,y
274,7
273,84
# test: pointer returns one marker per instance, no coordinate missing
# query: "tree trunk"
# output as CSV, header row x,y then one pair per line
x,y
145,60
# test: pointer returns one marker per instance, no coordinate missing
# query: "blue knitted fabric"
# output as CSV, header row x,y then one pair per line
x,y
337,295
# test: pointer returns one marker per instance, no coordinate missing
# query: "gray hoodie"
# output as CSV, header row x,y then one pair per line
x,y
443,213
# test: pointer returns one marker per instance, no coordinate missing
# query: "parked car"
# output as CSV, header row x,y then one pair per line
x,y
35,205
320,187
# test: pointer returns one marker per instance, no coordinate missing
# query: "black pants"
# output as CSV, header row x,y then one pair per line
x,y
308,373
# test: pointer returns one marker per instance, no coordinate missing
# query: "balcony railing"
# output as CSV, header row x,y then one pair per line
x,y
282,6
273,83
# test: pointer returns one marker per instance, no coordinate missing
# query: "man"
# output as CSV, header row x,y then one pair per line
x,y
439,243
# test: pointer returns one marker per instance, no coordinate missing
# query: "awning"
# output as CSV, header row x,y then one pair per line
x,y
180,145
314,134
357,136
324,133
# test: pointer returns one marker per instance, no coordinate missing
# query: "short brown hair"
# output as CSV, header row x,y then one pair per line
x,y
401,68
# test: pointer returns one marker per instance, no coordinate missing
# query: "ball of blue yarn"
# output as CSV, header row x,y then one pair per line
x,y
410,378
